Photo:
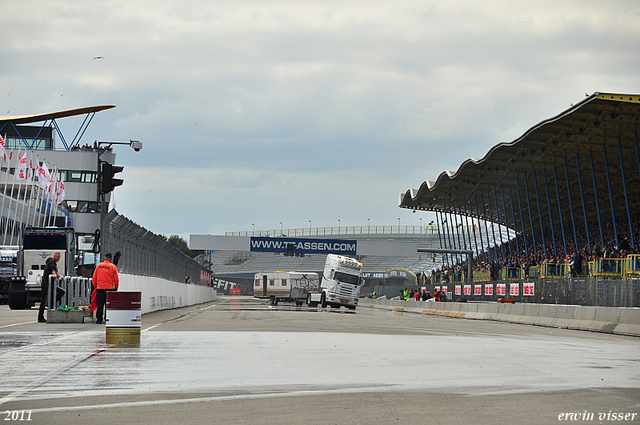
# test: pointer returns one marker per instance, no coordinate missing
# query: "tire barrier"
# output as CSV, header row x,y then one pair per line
x,y
616,320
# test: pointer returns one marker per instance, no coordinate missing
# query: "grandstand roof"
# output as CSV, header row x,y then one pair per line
x,y
27,119
557,157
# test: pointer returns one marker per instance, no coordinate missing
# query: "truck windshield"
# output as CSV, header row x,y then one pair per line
x,y
44,241
347,278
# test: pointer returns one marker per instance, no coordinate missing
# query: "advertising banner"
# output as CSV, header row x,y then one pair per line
x,y
303,246
458,289
501,289
528,288
477,290
467,289
488,288
514,289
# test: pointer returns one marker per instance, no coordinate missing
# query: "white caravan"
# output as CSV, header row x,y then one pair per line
x,y
285,286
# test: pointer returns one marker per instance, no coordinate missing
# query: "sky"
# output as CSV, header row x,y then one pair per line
x,y
276,113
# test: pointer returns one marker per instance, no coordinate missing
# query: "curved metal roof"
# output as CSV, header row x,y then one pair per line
x,y
26,119
582,153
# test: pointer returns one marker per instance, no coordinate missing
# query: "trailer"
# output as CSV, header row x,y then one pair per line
x,y
285,286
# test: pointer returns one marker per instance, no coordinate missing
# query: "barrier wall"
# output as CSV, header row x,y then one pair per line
x,y
162,294
617,320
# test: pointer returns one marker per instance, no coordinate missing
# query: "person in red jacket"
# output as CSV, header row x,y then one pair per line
x,y
105,278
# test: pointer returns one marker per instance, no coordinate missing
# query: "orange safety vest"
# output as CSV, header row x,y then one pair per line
x,y
105,276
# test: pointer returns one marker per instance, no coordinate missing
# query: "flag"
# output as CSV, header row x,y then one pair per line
x,y
8,159
44,177
3,149
30,174
60,192
21,170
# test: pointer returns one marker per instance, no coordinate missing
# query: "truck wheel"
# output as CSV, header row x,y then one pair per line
x,y
299,303
18,301
272,300
311,303
17,296
323,301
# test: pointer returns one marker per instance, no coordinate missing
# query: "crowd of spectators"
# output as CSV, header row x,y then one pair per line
x,y
513,253
89,148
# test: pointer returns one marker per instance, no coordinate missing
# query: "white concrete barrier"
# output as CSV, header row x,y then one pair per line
x,y
618,320
162,294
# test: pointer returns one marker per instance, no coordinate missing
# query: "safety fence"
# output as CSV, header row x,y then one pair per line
x,y
570,291
600,268
146,254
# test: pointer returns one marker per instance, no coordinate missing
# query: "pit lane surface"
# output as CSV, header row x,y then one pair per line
x,y
240,360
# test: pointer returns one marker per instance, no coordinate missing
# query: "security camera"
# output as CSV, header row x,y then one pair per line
x,y
137,146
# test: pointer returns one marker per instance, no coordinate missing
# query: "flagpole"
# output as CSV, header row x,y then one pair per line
x,y
26,187
7,215
54,200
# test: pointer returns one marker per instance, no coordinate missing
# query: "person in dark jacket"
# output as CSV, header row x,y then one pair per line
x,y
50,267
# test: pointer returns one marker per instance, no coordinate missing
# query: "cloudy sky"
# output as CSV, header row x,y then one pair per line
x,y
255,112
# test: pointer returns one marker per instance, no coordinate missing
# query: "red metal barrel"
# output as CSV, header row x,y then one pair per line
x,y
124,319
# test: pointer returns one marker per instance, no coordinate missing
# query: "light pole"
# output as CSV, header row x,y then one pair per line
x,y
398,224
338,226
101,198
254,228
309,227
420,225
281,230
368,225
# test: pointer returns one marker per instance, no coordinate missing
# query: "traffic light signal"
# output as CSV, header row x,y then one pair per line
x,y
107,182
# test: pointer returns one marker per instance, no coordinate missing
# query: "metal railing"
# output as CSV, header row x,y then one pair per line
x,y
341,230
69,291
146,254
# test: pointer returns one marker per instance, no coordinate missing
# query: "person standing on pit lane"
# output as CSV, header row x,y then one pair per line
x,y
50,267
105,278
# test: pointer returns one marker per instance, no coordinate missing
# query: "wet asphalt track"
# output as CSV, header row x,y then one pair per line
x,y
239,360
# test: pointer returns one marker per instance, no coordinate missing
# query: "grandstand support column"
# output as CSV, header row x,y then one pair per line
x,y
493,226
513,218
464,238
613,213
475,239
595,192
553,233
573,220
448,226
535,184
495,200
457,227
506,222
439,233
479,227
524,231
584,208
564,239
466,220
526,191
626,197
486,231
466,252
635,139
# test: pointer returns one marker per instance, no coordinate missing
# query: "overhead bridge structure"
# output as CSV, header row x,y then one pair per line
x,y
569,183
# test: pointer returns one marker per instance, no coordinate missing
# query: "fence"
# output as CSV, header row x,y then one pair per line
x,y
147,254
588,291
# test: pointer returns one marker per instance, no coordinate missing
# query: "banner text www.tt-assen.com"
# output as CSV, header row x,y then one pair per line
x,y
306,246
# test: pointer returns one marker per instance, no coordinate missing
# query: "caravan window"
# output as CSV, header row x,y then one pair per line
x,y
284,282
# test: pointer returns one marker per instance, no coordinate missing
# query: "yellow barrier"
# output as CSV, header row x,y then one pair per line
x,y
457,278
481,276
435,279
551,270
632,265
511,273
608,268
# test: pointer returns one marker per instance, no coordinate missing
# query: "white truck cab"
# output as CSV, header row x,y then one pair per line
x,y
340,284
